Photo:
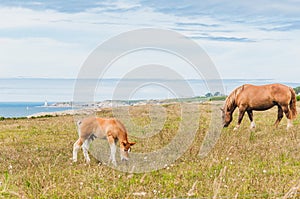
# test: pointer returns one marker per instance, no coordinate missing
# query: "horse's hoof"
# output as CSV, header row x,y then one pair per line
x,y
289,127
252,126
114,163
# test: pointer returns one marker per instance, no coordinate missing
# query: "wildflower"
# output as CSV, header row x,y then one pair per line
x,y
80,185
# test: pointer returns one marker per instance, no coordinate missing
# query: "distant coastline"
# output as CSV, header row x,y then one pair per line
x,y
98,106
22,97
62,90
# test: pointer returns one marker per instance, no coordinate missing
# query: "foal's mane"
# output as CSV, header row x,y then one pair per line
x,y
230,100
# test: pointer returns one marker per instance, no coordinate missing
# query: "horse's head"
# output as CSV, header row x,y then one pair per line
x,y
229,107
125,149
226,117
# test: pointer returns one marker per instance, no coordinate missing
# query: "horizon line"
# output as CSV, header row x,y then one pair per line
x,y
117,78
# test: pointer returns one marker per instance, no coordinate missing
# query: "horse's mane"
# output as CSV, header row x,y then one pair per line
x,y
230,100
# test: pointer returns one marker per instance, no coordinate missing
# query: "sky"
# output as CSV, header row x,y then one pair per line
x,y
244,39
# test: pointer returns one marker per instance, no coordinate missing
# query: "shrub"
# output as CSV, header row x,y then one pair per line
x,y
217,98
297,89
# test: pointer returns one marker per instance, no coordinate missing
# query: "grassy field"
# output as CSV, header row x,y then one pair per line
x,y
264,163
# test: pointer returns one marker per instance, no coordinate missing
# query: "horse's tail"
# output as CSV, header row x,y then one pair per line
x,y
79,122
293,106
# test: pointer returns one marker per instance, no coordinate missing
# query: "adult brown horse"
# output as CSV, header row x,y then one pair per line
x,y
250,98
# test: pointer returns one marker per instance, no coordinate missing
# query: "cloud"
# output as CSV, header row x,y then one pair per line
x,y
287,26
229,39
268,59
39,57
72,6
253,13
196,24
58,35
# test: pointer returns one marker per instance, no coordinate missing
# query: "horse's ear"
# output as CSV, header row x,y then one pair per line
x,y
132,143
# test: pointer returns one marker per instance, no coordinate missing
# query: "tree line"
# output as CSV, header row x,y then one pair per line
x,y
297,90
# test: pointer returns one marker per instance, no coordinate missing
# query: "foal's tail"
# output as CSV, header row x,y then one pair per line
x,y
78,127
293,107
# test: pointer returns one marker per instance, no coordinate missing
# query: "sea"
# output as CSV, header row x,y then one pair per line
x,y
21,97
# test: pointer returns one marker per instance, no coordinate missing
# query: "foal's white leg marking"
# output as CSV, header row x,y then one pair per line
x,y
113,149
252,126
85,149
289,124
76,147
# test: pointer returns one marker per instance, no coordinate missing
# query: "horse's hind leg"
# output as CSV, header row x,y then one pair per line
x,y
287,113
85,148
250,114
279,116
76,147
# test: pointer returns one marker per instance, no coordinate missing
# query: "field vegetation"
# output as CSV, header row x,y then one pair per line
x,y
262,163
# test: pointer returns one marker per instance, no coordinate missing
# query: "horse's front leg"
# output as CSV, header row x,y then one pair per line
x,y
113,149
250,114
287,113
241,115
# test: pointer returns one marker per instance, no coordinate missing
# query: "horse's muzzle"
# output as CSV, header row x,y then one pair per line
x,y
124,159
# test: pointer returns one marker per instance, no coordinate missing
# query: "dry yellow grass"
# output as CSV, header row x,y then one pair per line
x,y
264,163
